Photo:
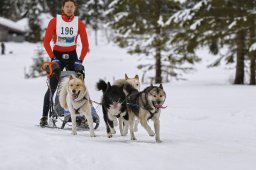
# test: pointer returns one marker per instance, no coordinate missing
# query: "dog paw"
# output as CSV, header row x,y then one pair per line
x,y
125,132
92,135
158,141
109,135
74,133
113,131
133,138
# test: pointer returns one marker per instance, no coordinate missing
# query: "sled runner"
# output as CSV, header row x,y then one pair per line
x,y
56,112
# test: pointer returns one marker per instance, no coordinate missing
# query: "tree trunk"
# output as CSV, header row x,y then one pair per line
x,y
252,69
96,36
252,53
158,76
239,78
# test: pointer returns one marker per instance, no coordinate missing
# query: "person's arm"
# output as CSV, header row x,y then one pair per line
x,y
84,40
48,37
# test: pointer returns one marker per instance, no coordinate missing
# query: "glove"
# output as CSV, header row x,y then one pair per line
x,y
78,62
56,60
78,66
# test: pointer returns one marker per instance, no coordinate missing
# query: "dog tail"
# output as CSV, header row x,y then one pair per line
x,y
102,85
63,93
129,89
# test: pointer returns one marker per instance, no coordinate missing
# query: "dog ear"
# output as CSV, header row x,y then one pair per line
x,y
109,85
80,76
161,86
126,77
136,77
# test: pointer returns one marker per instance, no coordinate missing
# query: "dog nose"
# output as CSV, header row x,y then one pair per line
x,y
158,102
73,91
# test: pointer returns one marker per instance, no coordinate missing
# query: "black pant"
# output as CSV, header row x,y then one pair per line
x,y
54,79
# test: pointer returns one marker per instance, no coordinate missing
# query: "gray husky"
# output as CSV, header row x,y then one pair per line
x,y
145,105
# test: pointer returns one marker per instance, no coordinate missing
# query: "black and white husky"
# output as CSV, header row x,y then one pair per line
x,y
145,105
113,107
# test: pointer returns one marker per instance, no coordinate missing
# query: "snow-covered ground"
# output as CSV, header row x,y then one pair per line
x,y
208,124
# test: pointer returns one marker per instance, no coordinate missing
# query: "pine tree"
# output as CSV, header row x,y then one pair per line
x,y
6,8
93,13
54,6
35,70
34,10
217,23
12,9
140,27
252,52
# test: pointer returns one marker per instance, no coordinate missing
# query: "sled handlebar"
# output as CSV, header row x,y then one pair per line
x,y
49,67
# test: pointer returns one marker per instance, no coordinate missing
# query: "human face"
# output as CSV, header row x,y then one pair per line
x,y
69,9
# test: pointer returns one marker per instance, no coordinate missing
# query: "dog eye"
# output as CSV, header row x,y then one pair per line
x,y
71,85
77,85
161,95
154,95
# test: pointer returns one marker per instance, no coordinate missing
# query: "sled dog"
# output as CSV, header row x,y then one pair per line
x,y
135,83
74,96
145,105
113,107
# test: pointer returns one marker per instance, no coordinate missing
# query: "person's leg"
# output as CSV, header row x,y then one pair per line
x,y
47,101
54,79
53,83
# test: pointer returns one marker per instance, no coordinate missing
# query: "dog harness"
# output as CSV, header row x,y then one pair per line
x,y
146,106
83,101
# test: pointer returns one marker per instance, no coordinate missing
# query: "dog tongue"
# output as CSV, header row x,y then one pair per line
x,y
161,106
74,96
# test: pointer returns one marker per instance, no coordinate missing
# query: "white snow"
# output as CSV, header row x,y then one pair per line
x,y
209,124
234,23
160,21
23,23
196,24
252,47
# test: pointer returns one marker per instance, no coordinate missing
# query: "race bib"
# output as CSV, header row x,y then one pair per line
x,y
66,32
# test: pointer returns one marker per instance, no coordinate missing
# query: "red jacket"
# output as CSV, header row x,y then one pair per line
x,y
51,33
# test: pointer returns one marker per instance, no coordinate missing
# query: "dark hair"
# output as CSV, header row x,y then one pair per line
x,y
64,1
